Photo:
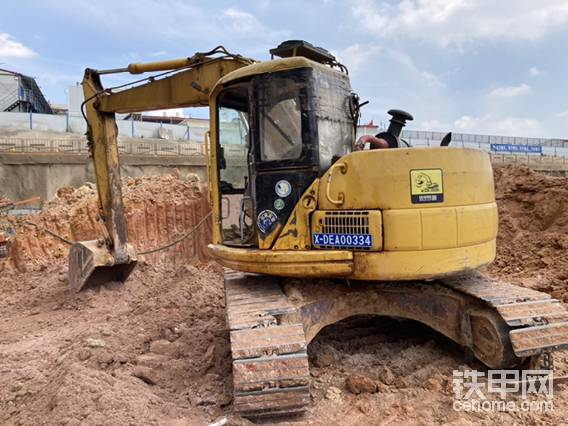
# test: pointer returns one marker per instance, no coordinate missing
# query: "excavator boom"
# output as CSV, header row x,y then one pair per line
x,y
185,83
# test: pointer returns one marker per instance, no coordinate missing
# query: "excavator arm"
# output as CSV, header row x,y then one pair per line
x,y
185,82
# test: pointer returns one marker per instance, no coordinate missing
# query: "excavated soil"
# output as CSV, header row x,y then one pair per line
x,y
532,245
158,209
155,350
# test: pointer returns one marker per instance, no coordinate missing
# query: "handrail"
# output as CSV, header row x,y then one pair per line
x,y
340,196
207,142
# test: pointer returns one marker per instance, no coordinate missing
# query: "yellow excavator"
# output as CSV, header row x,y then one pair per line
x,y
313,229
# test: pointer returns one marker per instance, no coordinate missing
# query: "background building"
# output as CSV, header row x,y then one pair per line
x,y
20,93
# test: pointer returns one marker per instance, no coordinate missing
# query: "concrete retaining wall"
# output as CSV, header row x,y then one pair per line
x,y
27,175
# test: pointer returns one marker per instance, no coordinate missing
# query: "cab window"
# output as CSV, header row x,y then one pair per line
x,y
280,121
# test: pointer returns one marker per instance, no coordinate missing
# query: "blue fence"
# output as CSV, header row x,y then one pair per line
x,y
515,149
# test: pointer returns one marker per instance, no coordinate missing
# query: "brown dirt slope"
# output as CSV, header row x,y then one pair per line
x,y
532,245
158,210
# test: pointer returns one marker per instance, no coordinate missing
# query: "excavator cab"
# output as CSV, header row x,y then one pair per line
x,y
291,125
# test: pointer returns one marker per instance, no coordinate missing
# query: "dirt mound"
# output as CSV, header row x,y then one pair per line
x,y
159,209
532,245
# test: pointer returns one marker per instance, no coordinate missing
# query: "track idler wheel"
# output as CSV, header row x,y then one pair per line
x,y
490,341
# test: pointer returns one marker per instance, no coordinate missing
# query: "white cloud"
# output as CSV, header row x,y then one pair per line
x,y
433,125
242,22
422,76
240,27
246,24
562,114
356,55
535,72
237,29
12,49
509,91
158,53
54,79
511,126
458,22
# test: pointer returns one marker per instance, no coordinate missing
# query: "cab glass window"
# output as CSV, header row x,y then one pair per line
x,y
280,122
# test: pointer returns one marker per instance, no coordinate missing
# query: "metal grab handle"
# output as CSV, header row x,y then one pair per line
x,y
207,143
340,197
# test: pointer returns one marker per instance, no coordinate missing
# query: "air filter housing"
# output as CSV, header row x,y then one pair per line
x,y
292,48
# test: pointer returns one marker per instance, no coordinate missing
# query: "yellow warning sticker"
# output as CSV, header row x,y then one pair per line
x,y
426,186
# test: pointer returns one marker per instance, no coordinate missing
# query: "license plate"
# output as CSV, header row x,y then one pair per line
x,y
343,240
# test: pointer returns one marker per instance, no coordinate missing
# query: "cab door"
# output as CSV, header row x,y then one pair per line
x,y
285,151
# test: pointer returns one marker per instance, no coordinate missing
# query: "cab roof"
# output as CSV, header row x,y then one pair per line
x,y
274,65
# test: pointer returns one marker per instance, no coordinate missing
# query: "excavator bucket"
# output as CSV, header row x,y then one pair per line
x,y
91,264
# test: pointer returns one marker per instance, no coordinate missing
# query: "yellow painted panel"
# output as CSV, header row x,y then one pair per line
x,y
424,264
296,270
381,266
297,235
477,224
402,230
274,66
380,179
439,228
288,263
278,256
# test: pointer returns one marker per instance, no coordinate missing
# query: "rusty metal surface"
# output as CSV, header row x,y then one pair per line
x,y
472,310
533,313
273,402
91,264
254,300
256,374
494,293
270,364
457,315
326,302
538,323
271,323
534,340
276,340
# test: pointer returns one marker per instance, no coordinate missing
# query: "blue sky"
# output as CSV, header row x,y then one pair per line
x,y
476,66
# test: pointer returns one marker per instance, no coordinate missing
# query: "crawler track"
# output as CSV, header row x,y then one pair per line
x,y
272,320
270,364
537,322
